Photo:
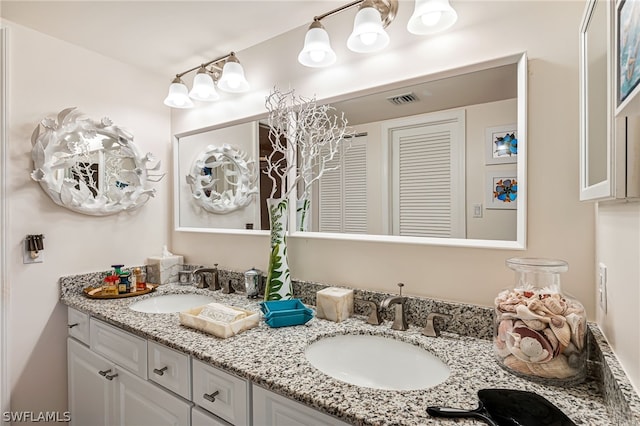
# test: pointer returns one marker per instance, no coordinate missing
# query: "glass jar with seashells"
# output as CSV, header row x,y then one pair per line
x,y
540,333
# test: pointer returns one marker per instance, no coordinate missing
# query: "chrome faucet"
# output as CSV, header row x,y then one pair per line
x,y
430,329
400,317
374,314
215,284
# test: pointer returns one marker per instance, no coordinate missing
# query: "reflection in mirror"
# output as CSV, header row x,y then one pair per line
x,y
462,113
427,162
222,179
90,167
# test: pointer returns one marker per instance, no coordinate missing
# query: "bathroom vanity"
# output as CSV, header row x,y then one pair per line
x,y
129,367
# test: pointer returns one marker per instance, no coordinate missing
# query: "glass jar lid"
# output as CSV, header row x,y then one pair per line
x,y
531,264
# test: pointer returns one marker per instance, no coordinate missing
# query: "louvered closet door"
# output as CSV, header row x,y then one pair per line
x,y
343,192
427,191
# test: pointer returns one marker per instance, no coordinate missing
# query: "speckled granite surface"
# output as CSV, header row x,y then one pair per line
x,y
274,358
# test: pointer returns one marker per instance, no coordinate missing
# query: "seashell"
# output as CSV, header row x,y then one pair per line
x,y
536,324
555,304
553,341
516,364
577,324
528,345
535,304
561,329
557,368
525,313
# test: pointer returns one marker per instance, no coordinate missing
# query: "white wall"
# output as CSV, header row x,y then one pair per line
x,y
47,75
558,225
618,247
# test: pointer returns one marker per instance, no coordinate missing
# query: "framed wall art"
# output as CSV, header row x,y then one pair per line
x,y
501,144
501,190
628,48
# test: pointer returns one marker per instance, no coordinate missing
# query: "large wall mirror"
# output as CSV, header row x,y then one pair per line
x,y
439,160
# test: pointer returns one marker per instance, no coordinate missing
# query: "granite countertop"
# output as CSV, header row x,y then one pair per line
x,y
274,359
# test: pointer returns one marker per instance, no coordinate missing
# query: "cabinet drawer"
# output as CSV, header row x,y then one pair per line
x,y
169,368
78,323
123,348
221,393
271,409
199,417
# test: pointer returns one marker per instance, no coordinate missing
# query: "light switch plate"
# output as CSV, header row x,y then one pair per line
x,y
602,286
477,210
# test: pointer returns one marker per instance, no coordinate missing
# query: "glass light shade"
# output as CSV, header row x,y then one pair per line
x,y
232,79
317,51
368,34
178,96
431,16
203,88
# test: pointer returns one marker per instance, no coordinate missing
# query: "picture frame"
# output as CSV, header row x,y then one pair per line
x,y
627,49
501,144
501,190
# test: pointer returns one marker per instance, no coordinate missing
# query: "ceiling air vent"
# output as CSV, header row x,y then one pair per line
x,y
405,98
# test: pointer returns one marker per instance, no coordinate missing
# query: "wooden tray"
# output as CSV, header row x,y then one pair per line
x,y
91,292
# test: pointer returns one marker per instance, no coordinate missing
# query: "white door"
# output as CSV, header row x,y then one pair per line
x,y
427,175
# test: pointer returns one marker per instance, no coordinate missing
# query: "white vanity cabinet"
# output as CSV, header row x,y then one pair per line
x,y
271,409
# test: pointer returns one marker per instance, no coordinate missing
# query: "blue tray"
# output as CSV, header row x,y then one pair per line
x,y
284,313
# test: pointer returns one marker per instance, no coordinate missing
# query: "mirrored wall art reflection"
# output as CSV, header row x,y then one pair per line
x,y
91,167
216,179
222,179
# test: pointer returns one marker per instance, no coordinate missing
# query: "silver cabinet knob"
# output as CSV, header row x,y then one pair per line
x,y
160,372
211,396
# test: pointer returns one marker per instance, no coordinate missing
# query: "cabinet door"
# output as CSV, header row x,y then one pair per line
x,y
91,395
141,403
200,417
271,409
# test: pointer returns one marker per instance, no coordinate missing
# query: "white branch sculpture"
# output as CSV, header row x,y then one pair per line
x,y
305,137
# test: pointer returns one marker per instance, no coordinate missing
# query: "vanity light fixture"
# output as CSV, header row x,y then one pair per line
x,y
226,70
431,16
368,32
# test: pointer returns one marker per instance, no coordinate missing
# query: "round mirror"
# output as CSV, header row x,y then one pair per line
x,y
90,167
222,179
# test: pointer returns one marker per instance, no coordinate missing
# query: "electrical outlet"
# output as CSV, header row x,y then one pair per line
x,y
602,286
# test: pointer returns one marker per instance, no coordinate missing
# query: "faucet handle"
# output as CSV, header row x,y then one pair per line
x,y
429,329
374,316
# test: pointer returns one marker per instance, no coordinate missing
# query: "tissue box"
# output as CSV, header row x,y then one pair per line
x,y
164,269
334,304
220,329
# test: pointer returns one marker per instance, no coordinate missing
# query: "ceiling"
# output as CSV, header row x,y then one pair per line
x,y
165,37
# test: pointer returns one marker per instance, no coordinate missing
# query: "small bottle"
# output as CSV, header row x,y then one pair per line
x,y
110,285
124,286
141,279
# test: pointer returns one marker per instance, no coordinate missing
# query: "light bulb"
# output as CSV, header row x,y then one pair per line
x,y
368,38
431,18
317,55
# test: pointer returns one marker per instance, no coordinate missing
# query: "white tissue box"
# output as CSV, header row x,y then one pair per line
x,y
334,304
221,329
164,269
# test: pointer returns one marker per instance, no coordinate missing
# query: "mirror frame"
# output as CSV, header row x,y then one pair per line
x,y
244,188
520,242
604,189
49,139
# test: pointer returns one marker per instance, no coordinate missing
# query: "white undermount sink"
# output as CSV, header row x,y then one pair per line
x,y
170,303
377,362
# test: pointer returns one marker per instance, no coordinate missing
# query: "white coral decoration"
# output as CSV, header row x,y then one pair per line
x,y
90,167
